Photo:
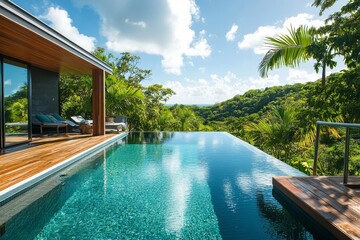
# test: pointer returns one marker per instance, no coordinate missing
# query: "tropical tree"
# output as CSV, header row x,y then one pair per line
x,y
124,92
156,96
166,121
342,29
276,134
187,120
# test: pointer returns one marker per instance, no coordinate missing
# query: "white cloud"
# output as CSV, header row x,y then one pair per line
x,y
7,82
200,48
255,41
216,88
166,30
60,20
230,35
301,76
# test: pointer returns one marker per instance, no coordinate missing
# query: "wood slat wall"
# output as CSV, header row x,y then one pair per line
x,y
23,44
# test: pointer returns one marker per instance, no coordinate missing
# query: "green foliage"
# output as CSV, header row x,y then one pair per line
x,y
125,94
156,96
276,133
342,30
17,111
244,106
75,95
16,105
281,120
186,118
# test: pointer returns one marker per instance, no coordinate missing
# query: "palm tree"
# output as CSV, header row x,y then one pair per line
x,y
299,45
277,133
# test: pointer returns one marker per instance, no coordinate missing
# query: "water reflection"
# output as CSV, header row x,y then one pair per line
x,y
229,196
281,224
149,137
240,185
182,175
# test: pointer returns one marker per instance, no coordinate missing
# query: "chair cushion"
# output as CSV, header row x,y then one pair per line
x,y
43,118
58,117
53,119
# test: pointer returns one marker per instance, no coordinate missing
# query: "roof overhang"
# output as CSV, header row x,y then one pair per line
x,y
26,38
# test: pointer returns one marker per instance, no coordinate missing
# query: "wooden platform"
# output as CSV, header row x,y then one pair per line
x,y
18,164
326,200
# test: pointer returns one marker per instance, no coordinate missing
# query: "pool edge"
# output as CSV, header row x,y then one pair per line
x,y
27,183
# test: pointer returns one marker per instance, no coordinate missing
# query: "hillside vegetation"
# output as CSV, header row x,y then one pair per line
x,y
281,120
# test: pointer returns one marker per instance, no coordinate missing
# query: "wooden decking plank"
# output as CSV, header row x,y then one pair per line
x,y
340,225
300,198
346,195
326,217
347,217
41,155
350,193
342,203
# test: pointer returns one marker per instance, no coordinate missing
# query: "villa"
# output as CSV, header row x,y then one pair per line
x,y
155,185
32,57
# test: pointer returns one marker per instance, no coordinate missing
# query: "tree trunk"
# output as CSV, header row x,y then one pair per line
x,y
323,75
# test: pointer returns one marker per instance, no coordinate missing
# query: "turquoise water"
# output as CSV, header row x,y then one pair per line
x,y
165,186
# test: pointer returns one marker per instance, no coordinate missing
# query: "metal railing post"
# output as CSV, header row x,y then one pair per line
x,y
316,149
346,157
347,145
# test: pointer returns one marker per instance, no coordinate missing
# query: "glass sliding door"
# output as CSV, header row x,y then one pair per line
x,y
16,102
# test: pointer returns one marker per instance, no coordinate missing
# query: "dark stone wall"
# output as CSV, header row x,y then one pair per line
x,y
45,91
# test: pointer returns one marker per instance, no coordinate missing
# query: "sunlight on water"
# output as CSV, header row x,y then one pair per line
x,y
229,197
155,191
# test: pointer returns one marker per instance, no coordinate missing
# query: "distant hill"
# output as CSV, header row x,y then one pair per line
x,y
251,102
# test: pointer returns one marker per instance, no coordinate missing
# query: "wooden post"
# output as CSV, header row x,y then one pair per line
x,y
98,102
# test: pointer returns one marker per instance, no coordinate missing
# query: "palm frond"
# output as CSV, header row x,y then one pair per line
x,y
286,50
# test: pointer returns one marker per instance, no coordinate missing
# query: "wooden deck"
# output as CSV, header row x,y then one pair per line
x,y
327,201
41,154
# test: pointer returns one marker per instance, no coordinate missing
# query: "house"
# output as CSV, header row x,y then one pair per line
x,y
32,57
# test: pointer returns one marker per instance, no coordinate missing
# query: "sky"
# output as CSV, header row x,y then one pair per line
x,y
207,51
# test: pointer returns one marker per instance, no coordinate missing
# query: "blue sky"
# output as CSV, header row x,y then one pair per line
x,y
207,51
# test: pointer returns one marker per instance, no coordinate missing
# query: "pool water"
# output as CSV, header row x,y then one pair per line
x,y
164,186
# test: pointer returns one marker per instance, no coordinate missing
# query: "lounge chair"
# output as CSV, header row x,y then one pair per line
x,y
122,120
109,126
80,119
44,122
57,118
118,124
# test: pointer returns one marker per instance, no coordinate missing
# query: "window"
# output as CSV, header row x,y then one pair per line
x,y
16,102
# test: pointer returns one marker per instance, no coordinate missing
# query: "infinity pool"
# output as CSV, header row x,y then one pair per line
x,y
161,186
